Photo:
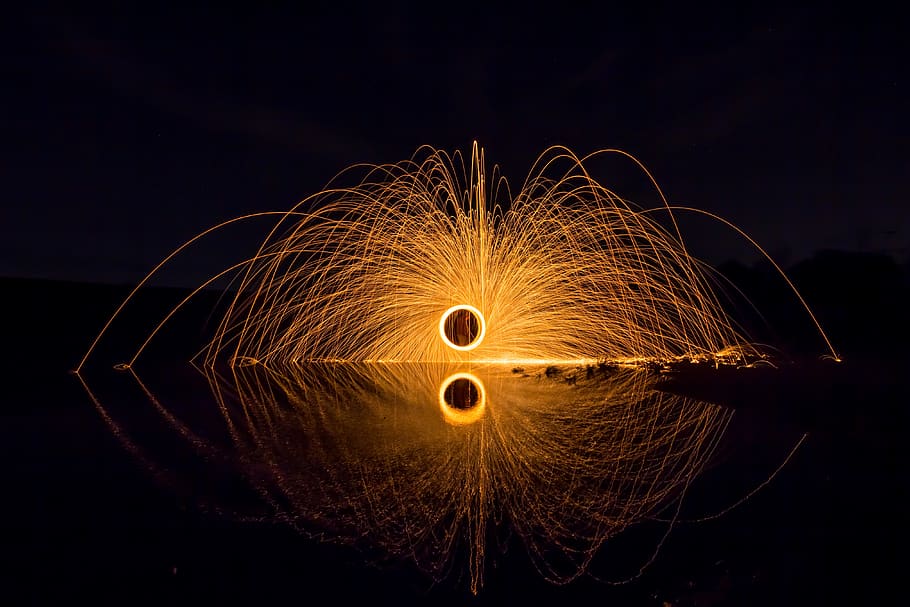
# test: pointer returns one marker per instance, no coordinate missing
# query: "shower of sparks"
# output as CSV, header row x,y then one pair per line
x,y
377,344
563,271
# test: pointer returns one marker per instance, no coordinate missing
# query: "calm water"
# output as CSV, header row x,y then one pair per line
x,y
352,483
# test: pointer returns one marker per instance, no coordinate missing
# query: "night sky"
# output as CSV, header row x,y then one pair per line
x,y
127,132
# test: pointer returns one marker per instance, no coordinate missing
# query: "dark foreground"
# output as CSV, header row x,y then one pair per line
x,y
82,518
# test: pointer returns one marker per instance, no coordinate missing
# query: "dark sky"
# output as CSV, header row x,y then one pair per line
x,y
126,133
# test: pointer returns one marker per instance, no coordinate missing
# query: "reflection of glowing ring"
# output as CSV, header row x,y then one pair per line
x,y
472,310
462,417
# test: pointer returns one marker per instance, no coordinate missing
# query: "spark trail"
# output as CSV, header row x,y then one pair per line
x,y
564,270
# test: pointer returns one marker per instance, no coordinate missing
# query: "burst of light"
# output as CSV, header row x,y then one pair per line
x,y
562,270
430,269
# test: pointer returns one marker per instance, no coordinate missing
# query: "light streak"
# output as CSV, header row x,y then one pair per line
x,y
563,270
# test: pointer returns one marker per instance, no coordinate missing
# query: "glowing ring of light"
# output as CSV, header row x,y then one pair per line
x,y
458,417
472,310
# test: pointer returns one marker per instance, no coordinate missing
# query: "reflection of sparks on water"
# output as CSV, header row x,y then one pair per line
x,y
363,454
462,398
564,270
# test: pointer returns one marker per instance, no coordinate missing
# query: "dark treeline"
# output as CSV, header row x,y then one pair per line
x,y
860,300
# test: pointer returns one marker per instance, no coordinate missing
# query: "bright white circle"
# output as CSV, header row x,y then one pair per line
x,y
472,310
